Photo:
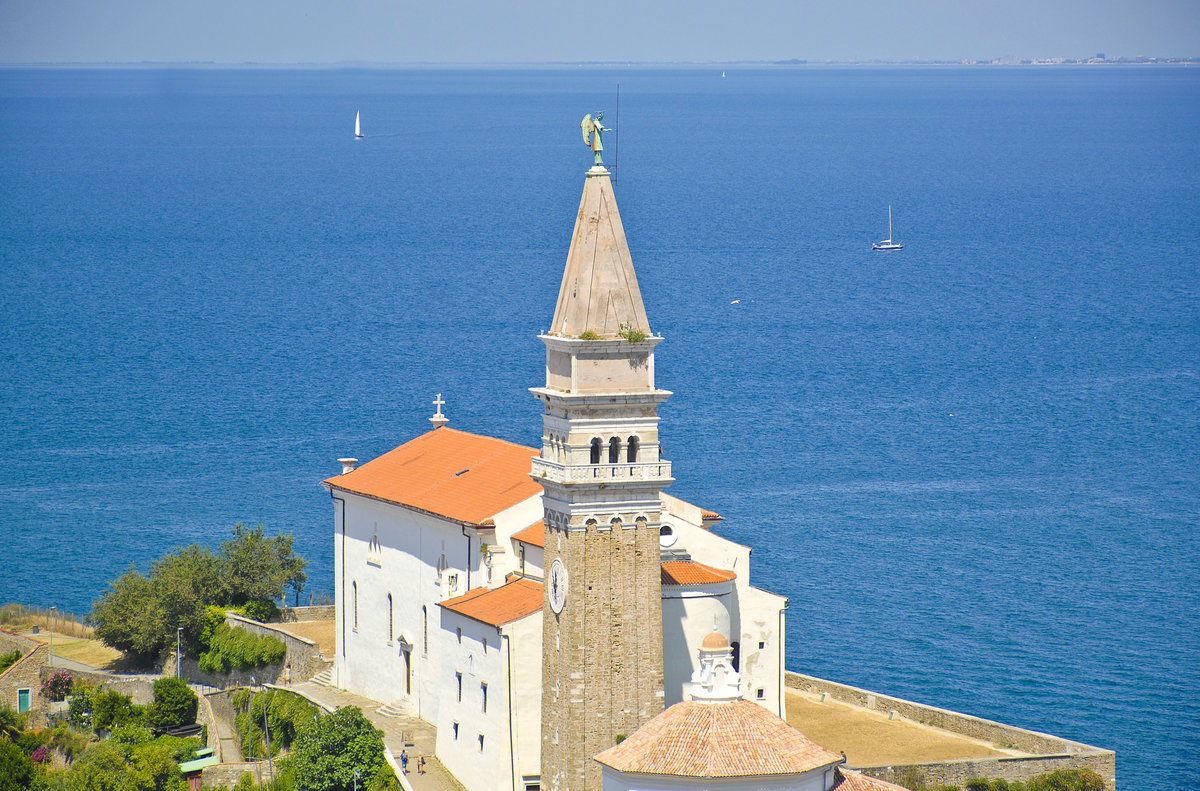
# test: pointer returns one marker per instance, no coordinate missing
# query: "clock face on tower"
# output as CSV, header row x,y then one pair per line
x,y
558,585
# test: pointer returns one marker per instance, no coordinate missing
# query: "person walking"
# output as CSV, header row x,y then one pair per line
x,y
404,761
420,764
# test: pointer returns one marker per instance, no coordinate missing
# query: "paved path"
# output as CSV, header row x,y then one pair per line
x,y
401,734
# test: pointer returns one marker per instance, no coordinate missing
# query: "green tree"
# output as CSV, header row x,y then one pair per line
x,y
326,753
255,566
100,768
174,704
111,709
11,723
185,582
130,617
16,770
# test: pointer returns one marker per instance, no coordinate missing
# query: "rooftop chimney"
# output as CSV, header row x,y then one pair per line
x,y
347,465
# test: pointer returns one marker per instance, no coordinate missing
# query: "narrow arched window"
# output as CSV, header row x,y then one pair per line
x,y
614,450
354,588
631,453
596,450
389,619
424,630
737,655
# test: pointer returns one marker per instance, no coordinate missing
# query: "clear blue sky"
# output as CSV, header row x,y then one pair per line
x,y
457,31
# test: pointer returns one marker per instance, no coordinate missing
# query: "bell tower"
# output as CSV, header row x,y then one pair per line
x,y
602,659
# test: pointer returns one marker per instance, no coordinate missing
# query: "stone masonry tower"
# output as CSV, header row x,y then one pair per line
x,y
602,656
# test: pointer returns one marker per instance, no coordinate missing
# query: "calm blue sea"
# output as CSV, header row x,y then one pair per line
x,y
972,465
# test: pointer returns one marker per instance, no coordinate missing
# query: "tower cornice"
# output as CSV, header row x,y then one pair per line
x,y
616,397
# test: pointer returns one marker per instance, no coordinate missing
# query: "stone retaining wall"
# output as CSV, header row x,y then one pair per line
x,y
303,654
227,775
1049,752
139,688
319,612
957,773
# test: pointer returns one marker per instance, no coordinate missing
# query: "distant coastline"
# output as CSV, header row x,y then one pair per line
x,y
1098,60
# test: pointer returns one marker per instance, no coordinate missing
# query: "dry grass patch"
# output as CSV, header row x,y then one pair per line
x,y
323,633
92,653
871,739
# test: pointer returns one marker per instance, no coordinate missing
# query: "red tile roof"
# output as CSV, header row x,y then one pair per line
x,y
461,476
850,780
497,606
710,516
689,572
735,739
534,534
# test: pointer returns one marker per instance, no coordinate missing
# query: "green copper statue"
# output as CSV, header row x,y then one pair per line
x,y
591,134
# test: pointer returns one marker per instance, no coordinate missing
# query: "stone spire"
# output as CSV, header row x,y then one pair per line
x,y
599,290
602,480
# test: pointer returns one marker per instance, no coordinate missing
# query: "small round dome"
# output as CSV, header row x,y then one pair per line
x,y
714,641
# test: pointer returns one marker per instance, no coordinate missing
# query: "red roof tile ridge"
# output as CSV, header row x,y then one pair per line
x,y
735,739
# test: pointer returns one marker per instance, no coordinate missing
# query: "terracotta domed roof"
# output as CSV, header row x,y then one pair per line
x,y
714,641
735,739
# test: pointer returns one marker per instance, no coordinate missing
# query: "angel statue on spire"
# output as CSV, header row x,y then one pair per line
x,y
591,134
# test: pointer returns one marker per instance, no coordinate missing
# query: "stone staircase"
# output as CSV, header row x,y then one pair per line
x,y
324,678
397,708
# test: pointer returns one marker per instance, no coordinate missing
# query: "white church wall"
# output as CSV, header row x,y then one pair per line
x,y
524,641
689,614
756,616
509,521
760,634
709,548
816,780
419,560
534,564
472,725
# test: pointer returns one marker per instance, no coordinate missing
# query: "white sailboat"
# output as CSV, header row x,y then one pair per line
x,y
358,125
888,244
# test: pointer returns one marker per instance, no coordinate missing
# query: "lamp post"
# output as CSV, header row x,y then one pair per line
x,y
53,612
178,652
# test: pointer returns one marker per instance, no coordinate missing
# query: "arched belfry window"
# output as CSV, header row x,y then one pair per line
x,y
596,450
614,450
631,453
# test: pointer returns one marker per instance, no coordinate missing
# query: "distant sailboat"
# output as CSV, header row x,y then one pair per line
x,y
358,125
888,244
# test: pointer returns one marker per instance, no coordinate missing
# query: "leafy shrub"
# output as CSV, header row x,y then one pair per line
x,y
287,715
111,709
238,649
1060,780
633,336
9,659
80,708
57,686
16,770
262,610
214,616
131,733
174,704
588,335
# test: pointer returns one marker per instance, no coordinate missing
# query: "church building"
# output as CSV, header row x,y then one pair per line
x,y
540,605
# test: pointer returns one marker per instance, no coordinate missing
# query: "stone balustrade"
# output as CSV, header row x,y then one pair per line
x,y
561,473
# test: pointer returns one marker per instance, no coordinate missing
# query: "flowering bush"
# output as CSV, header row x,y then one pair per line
x,y
40,755
57,686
